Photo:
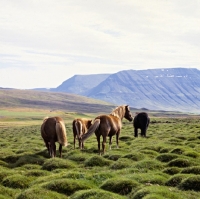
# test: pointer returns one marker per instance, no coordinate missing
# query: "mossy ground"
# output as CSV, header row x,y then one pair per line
x,y
166,164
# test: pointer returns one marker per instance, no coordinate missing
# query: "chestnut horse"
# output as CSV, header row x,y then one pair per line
x,y
108,125
53,130
141,121
80,126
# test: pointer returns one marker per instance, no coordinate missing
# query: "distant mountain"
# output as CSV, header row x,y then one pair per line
x,y
172,89
81,84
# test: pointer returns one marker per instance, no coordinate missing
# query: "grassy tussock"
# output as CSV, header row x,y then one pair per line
x,y
164,165
95,194
97,161
66,186
57,163
120,186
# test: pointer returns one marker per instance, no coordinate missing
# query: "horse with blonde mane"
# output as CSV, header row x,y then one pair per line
x,y
108,125
80,127
53,130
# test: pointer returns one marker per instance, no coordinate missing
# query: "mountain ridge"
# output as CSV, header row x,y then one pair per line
x,y
168,89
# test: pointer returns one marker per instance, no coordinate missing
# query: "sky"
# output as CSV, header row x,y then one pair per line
x,y
45,42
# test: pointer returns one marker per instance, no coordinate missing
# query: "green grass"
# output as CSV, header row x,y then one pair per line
x,y
166,164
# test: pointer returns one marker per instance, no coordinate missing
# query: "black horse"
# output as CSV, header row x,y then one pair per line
x,y
141,121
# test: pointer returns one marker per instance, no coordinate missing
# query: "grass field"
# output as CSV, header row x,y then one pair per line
x,y
166,164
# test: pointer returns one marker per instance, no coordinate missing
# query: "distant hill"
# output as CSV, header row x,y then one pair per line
x,y
172,89
53,101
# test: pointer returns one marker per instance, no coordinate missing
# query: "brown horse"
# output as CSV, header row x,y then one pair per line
x,y
80,126
53,130
109,125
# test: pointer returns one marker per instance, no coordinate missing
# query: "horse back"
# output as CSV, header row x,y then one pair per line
x,y
109,125
141,120
48,129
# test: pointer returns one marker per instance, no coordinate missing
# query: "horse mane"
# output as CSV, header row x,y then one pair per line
x,y
119,112
45,118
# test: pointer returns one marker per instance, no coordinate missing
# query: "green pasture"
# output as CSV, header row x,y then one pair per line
x,y
165,165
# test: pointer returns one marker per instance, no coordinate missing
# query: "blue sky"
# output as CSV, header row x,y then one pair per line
x,y
45,42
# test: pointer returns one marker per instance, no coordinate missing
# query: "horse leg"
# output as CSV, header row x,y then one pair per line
x,y
60,150
136,132
98,140
53,148
48,147
110,142
143,132
82,145
117,140
104,144
74,141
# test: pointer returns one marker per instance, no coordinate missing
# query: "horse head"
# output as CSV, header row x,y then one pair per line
x,y
128,114
88,124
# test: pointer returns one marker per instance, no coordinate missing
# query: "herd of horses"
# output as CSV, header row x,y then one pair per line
x,y
53,129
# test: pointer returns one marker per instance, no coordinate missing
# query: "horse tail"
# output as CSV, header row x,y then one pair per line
x,y
91,130
78,130
61,133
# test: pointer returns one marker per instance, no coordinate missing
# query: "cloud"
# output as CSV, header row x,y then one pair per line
x,y
88,37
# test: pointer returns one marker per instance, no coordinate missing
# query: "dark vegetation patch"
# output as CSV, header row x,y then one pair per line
x,y
193,170
190,183
180,162
172,170
166,157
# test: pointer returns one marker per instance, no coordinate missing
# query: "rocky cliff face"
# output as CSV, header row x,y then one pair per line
x,y
156,89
